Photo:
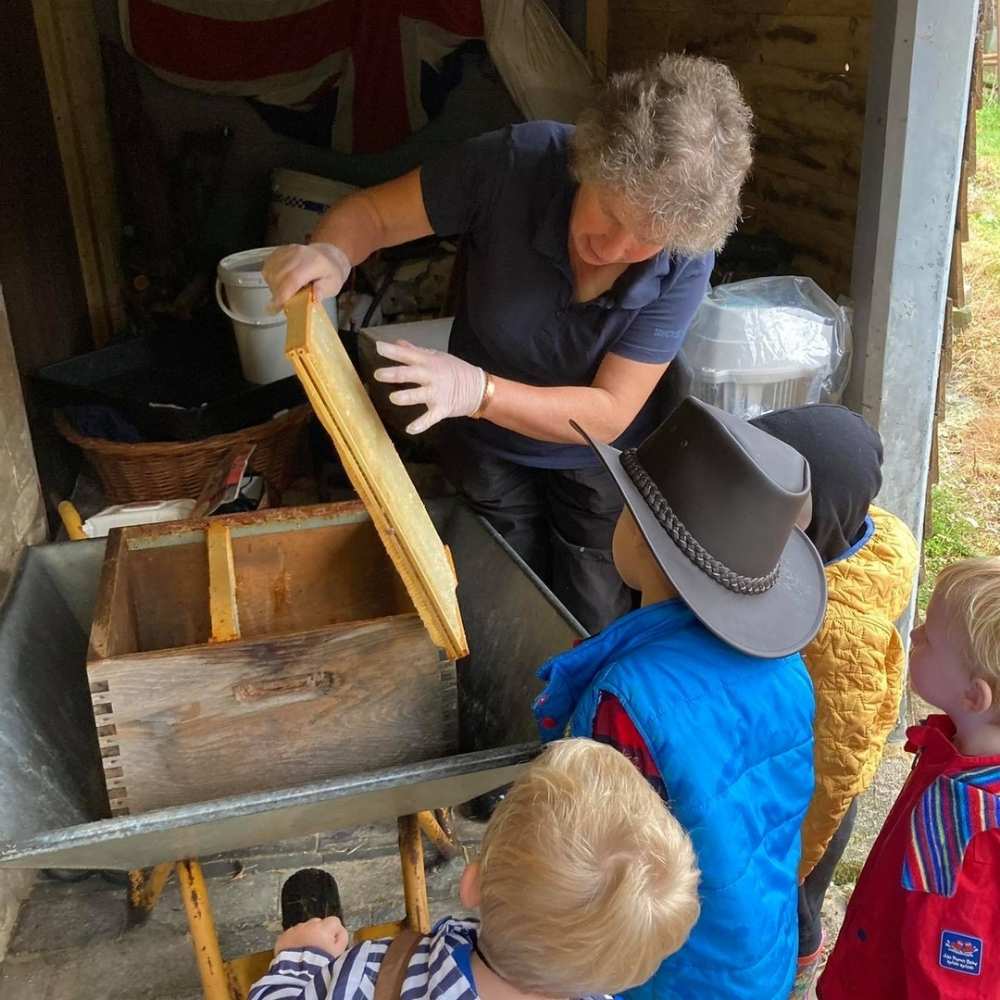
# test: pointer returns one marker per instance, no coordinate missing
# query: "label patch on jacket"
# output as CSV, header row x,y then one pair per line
x,y
961,953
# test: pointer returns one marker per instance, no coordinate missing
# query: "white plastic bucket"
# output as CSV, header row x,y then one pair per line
x,y
297,202
243,295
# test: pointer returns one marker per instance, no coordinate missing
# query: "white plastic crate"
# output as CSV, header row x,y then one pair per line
x,y
751,393
764,344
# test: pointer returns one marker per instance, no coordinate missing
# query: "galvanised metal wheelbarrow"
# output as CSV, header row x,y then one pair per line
x,y
55,811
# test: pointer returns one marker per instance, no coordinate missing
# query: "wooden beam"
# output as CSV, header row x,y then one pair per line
x,y
956,276
597,37
222,583
817,44
68,40
830,8
962,213
970,127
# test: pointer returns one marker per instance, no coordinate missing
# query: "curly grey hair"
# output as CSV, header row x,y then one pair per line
x,y
675,140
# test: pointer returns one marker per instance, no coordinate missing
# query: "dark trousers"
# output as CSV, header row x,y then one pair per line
x,y
813,890
559,521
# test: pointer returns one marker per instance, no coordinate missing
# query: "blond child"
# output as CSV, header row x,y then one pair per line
x,y
923,919
575,899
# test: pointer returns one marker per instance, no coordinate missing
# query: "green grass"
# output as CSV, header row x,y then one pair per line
x,y
984,201
954,535
988,128
847,873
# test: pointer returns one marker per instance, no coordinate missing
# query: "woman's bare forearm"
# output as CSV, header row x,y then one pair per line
x,y
382,216
545,413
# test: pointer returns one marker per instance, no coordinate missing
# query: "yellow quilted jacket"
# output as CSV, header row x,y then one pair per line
x,y
857,664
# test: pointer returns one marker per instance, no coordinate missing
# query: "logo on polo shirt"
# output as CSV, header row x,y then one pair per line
x,y
961,953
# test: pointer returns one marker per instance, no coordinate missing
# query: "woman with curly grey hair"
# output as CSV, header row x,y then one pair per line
x,y
587,252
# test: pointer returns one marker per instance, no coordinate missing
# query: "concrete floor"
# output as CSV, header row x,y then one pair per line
x,y
71,942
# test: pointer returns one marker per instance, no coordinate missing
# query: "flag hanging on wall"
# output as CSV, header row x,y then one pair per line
x,y
377,65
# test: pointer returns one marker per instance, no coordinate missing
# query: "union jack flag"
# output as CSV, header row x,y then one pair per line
x,y
371,55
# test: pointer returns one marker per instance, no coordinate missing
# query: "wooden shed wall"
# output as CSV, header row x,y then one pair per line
x,y
804,74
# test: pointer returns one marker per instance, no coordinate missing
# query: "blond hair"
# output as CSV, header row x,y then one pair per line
x,y
675,139
971,591
587,882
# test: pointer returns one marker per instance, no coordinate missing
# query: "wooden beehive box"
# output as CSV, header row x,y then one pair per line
x,y
267,650
319,667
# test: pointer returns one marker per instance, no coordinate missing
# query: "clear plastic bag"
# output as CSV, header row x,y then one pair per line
x,y
768,343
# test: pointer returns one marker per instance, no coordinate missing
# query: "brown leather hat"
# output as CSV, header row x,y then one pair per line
x,y
716,500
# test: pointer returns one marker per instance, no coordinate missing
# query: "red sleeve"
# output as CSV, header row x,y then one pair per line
x,y
613,726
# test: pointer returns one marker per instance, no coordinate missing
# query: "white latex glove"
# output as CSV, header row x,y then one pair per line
x,y
449,386
289,269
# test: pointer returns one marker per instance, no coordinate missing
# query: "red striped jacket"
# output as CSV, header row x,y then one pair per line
x,y
924,919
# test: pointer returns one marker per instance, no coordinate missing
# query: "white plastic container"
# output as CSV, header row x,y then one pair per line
x,y
764,344
751,393
243,295
140,512
297,202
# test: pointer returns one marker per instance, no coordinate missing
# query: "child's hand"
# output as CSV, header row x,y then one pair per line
x,y
327,934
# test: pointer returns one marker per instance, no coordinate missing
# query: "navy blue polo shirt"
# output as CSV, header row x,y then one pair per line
x,y
510,194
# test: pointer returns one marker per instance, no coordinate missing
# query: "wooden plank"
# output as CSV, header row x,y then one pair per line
x,y
170,595
940,404
597,37
113,630
947,341
962,209
829,267
970,140
221,583
375,469
259,714
831,166
933,475
67,35
803,213
829,8
308,579
956,275
832,272
814,43
822,105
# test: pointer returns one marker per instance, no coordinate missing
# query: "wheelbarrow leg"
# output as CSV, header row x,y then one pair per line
x,y
437,834
411,856
215,984
144,890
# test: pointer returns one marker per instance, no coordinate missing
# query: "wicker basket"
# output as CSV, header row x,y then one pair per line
x,y
166,470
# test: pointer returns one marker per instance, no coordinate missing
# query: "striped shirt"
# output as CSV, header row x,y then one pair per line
x,y
440,969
